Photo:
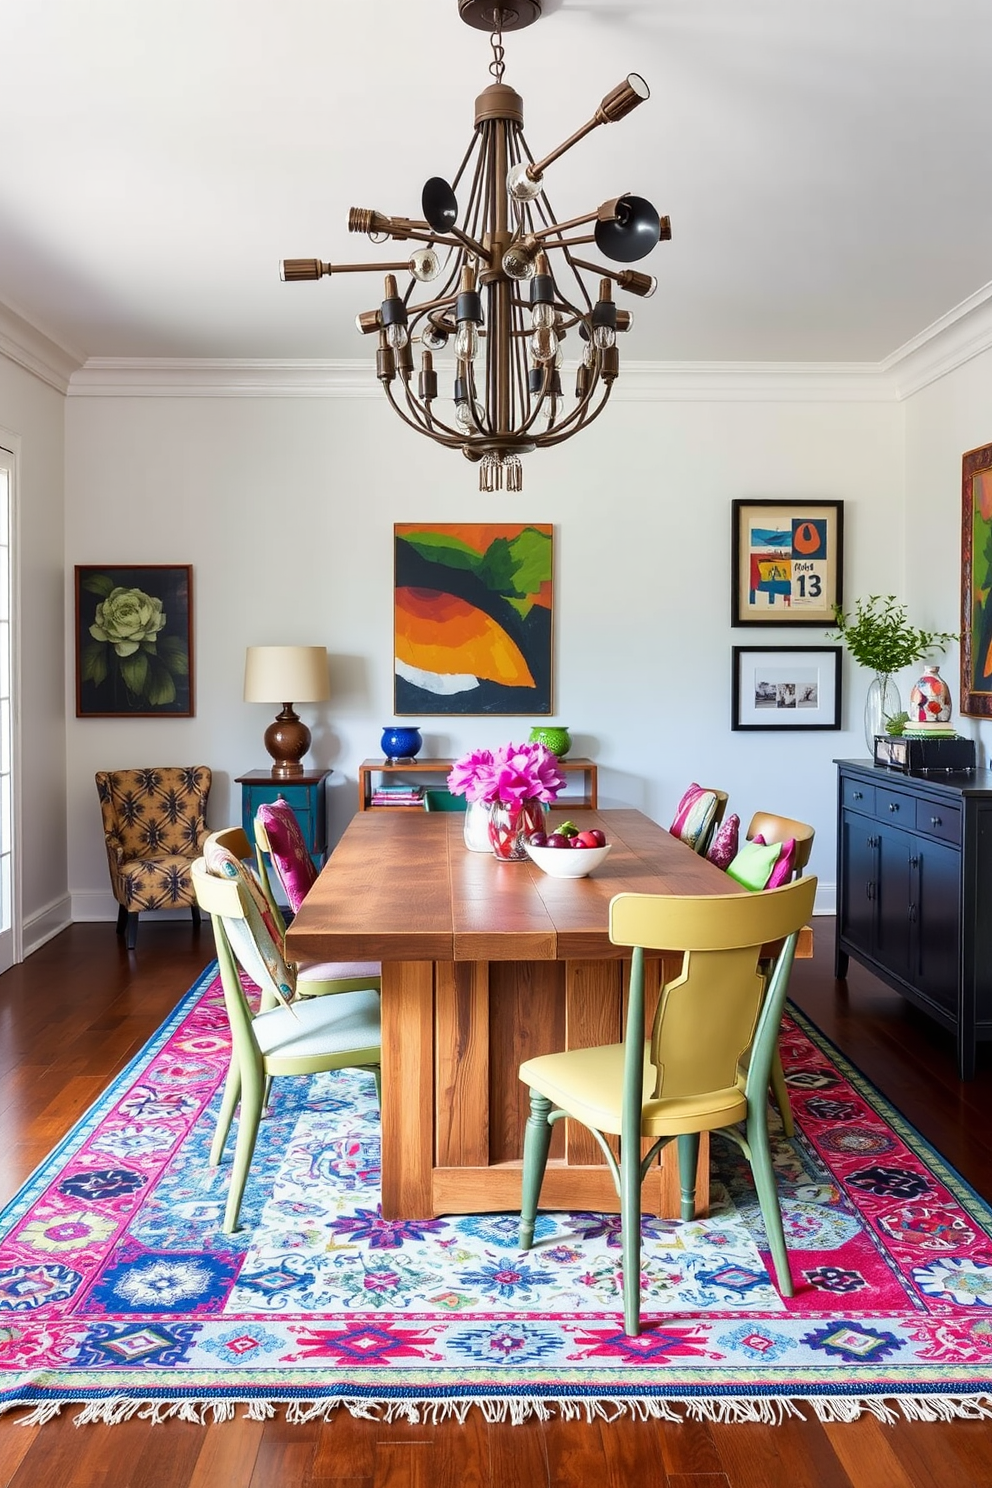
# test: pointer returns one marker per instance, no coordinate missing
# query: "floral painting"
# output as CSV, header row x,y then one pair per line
x,y
472,609
134,641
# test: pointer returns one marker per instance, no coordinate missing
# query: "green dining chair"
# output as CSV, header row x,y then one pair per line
x,y
705,1067
286,1037
442,800
780,829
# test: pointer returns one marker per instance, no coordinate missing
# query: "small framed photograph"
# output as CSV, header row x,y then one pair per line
x,y
134,640
976,582
788,562
786,687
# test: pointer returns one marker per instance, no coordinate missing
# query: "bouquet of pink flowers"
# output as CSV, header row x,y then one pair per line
x,y
513,773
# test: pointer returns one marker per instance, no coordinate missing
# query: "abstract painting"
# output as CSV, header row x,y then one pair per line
x,y
472,613
976,583
787,562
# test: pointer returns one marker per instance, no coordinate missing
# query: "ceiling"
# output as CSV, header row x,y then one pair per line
x,y
825,163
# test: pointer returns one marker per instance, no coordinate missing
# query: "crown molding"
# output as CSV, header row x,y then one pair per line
x,y
30,348
963,333
160,377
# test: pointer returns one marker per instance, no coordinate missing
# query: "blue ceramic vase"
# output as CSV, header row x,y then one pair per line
x,y
399,743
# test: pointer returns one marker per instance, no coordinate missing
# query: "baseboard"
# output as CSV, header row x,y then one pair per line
x,y
826,899
46,923
89,907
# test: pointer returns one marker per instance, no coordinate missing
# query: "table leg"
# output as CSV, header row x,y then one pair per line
x,y
407,1114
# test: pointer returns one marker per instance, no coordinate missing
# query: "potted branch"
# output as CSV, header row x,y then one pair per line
x,y
878,635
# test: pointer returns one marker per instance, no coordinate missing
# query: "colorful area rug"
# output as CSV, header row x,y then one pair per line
x,y
119,1292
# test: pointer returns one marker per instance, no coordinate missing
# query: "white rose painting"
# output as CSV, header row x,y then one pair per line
x,y
134,648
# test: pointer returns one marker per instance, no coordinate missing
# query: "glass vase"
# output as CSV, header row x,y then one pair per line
x,y
476,828
881,704
510,824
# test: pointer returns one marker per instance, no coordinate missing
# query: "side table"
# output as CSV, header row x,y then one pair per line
x,y
304,793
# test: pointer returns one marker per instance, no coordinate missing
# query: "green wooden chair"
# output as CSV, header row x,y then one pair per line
x,y
442,800
705,1067
285,1037
779,829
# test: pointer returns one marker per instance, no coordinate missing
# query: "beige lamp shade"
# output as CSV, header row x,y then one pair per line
x,y
287,675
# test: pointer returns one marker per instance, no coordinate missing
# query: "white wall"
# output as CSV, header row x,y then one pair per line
x,y
285,507
943,421
32,412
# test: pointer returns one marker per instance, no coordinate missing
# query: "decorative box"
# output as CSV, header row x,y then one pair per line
x,y
920,756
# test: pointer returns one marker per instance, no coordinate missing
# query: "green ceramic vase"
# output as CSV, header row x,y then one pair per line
x,y
553,737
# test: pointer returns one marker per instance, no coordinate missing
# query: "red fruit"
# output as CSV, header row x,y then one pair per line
x,y
588,839
538,839
576,841
600,837
557,840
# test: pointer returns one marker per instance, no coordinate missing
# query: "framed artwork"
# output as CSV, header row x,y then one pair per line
x,y
134,640
786,687
976,583
472,617
788,562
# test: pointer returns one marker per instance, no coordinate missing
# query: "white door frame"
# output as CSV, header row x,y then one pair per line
x,y
11,942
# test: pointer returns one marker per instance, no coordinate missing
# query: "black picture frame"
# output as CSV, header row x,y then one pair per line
x,y
135,659
787,562
785,687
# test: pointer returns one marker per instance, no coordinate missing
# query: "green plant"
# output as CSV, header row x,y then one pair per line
x,y
896,725
879,636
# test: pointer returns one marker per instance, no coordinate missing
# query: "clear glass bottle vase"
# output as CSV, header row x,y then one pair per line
x,y
881,704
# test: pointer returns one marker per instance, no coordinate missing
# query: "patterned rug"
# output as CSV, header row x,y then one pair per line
x,y
119,1292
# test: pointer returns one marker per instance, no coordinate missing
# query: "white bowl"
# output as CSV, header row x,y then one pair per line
x,y
568,862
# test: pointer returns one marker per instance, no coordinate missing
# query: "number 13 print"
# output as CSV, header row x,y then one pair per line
x,y
787,562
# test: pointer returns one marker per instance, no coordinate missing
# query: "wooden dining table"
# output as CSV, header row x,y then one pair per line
x,y
485,964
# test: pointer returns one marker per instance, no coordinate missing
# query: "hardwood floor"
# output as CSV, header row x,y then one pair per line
x,y
81,1007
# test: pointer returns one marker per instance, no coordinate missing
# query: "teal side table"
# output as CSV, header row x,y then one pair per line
x,y
305,793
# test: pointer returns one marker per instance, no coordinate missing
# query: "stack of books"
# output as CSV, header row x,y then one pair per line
x,y
398,795
913,730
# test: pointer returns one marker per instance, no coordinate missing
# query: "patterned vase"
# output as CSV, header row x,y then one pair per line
x,y
553,736
930,698
476,828
510,824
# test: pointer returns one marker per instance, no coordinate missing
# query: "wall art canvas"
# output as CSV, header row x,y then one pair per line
x,y
134,640
472,618
976,583
787,562
785,687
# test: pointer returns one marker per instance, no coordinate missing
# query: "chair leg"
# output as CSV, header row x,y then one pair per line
x,y
767,1190
131,938
229,1101
630,1236
194,910
781,1093
121,918
688,1147
244,1148
537,1141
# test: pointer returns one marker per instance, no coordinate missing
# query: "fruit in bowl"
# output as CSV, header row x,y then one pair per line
x,y
563,856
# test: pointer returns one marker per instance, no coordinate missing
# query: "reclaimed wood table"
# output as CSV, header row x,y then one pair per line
x,y
486,964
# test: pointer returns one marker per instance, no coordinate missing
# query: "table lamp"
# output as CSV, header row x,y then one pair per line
x,y
273,673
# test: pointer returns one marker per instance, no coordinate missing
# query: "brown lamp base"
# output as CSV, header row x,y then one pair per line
x,y
287,739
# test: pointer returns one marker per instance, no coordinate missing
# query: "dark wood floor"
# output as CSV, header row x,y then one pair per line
x,y
79,1008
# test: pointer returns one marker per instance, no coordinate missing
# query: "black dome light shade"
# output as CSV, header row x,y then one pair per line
x,y
439,205
635,232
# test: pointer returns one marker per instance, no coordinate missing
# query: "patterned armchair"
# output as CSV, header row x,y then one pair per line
x,y
155,825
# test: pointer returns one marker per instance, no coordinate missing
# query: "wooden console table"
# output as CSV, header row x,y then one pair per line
x,y
409,769
485,964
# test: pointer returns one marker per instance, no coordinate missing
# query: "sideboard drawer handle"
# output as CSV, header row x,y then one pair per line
x,y
935,821
893,806
858,796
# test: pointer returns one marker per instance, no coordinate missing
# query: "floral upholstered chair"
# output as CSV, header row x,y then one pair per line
x,y
154,822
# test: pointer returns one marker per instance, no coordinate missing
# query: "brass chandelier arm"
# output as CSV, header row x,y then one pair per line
x,y
615,106
563,432
452,442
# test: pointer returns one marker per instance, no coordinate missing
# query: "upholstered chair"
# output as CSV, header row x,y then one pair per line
x,y
154,823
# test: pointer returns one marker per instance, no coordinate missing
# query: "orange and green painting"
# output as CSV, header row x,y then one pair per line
x,y
980,680
472,610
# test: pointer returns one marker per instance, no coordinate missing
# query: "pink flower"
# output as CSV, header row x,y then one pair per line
x,y
514,773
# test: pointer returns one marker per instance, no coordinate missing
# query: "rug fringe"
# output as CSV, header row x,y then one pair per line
x,y
515,1410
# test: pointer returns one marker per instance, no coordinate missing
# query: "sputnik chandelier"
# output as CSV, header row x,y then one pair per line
x,y
510,289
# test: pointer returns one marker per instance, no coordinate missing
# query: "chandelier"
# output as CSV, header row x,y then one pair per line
x,y
506,286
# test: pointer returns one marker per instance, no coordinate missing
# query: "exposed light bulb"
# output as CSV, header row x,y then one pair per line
x,y
520,185
542,314
544,344
466,420
518,264
425,265
467,341
397,335
432,338
604,336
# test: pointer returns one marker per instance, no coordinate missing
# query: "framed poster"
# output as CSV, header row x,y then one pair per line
x,y
976,583
785,687
788,562
134,640
472,615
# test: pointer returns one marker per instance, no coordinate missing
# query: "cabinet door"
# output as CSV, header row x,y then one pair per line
x,y
859,857
893,924
937,922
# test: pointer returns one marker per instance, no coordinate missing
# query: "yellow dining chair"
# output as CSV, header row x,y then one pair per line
x,y
705,1067
780,829
284,1037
